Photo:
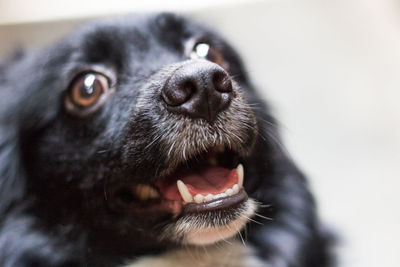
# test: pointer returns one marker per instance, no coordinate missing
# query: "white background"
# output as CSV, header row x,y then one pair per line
x,y
331,70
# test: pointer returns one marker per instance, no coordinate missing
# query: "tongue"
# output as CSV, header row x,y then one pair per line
x,y
210,180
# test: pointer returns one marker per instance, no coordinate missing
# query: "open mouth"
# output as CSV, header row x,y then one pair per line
x,y
207,182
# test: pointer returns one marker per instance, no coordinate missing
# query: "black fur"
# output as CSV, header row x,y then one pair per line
x,y
56,169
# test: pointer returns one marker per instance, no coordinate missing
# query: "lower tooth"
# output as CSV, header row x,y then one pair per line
x,y
229,192
198,198
235,189
220,195
209,197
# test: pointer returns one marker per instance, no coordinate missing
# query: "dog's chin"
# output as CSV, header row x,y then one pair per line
x,y
210,227
202,201
209,235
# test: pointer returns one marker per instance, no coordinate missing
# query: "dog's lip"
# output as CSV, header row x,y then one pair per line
x,y
177,209
217,204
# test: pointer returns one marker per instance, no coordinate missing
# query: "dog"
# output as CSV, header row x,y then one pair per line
x,y
140,141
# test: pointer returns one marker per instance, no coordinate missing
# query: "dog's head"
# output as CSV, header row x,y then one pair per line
x,y
136,130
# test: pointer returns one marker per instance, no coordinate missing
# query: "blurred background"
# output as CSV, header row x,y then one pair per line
x,y
330,69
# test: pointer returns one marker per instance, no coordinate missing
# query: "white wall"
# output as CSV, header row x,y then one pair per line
x,y
331,70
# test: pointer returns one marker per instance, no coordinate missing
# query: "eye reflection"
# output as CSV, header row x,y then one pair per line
x,y
88,83
206,51
202,50
87,93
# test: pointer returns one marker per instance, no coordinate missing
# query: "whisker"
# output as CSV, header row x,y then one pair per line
x,y
262,205
152,142
250,219
245,232
170,150
264,217
241,237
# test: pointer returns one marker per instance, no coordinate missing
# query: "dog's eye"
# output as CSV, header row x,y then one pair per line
x,y
206,51
87,92
88,89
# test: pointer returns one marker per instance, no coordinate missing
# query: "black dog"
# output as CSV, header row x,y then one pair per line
x,y
127,143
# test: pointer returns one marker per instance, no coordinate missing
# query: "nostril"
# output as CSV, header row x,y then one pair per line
x,y
222,82
175,95
198,89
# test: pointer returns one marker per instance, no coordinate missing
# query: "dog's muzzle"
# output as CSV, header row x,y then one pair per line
x,y
200,130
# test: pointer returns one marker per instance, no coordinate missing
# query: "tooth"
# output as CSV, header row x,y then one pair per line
x,y
220,195
229,192
199,198
235,189
145,192
240,173
209,197
184,191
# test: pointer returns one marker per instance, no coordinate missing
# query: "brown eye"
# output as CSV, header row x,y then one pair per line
x,y
88,89
206,51
86,93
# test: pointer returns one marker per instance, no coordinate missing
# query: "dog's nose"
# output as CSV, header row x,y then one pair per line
x,y
199,89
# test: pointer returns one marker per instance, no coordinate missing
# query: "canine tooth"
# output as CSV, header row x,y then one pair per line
x,y
209,197
229,192
145,192
240,173
235,189
184,191
199,198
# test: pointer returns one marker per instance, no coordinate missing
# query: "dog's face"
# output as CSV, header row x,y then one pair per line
x,y
141,131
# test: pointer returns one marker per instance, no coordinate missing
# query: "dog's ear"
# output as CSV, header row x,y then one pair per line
x,y
12,180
